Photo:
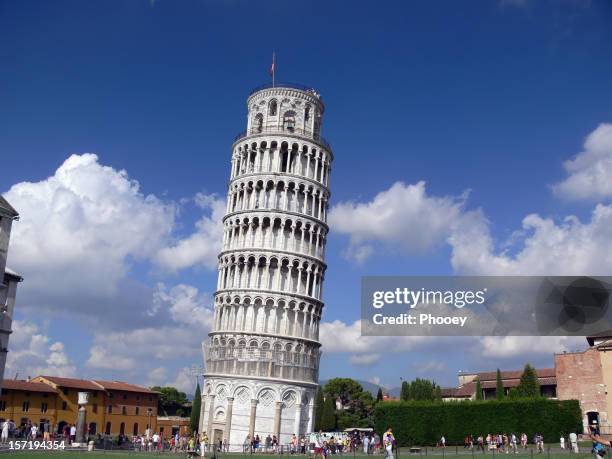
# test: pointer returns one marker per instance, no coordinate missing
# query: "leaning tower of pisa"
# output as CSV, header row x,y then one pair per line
x,y
262,355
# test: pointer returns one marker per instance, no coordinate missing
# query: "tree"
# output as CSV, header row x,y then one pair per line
x,y
194,421
405,392
379,395
529,386
328,417
499,386
421,390
478,389
171,401
319,404
357,403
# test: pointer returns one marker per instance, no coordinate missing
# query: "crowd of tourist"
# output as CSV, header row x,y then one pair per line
x,y
28,431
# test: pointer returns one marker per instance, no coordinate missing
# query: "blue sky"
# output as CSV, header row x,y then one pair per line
x,y
481,100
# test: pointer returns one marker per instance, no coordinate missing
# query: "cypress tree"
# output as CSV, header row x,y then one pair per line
x,y
319,403
379,395
499,388
529,385
328,417
478,389
405,392
194,420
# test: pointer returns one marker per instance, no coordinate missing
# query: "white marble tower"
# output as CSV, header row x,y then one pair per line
x,y
262,355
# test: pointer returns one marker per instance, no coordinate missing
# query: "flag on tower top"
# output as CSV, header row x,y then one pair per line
x,y
273,68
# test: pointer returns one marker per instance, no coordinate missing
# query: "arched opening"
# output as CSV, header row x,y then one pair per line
x,y
593,418
93,428
135,429
289,121
259,122
108,428
122,428
273,108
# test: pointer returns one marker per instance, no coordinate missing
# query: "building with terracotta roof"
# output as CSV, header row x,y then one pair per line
x,y
488,383
114,407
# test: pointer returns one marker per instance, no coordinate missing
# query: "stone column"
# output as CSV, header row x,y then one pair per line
x,y
252,418
202,412
277,420
211,415
83,398
228,419
298,419
310,415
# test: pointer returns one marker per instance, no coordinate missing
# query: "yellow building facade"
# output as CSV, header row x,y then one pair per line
x,y
113,408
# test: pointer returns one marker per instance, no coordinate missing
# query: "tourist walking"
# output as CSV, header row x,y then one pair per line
x,y
573,438
389,441
599,444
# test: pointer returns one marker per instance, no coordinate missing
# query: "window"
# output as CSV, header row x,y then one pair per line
x,y
65,391
111,395
110,409
108,428
307,113
2,405
273,108
123,410
26,406
138,398
64,405
150,398
137,410
43,407
94,408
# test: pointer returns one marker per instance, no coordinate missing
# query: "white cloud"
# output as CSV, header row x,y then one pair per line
x,y
80,228
32,352
184,381
184,318
403,217
513,346
365,359
375,380
569,247
185,304
590,172
203,246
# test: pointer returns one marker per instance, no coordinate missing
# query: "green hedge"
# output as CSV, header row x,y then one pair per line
x,y
423,423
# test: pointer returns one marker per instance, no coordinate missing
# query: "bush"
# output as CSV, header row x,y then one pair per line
x,y
423,423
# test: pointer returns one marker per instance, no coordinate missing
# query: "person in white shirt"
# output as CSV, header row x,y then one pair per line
x,y
34,432
573,438
443,442
562,442
155,440
72,433
5,431
366,444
